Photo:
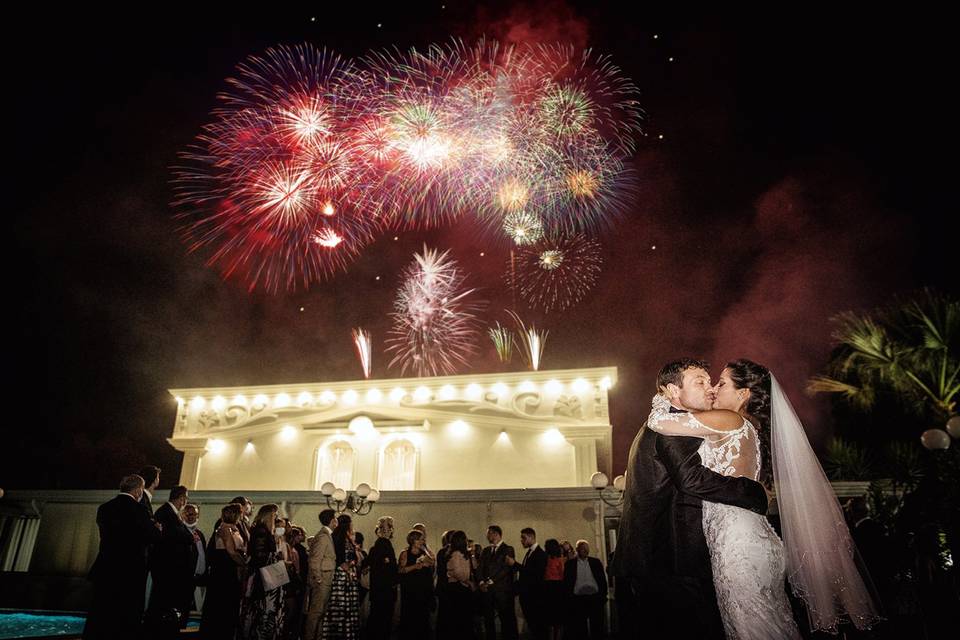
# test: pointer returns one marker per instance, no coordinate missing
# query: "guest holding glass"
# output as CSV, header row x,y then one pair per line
x,y
415,567
226,564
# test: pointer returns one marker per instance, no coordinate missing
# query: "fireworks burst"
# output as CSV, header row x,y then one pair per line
x,y
435,327
523,227
310,156
271,182
555,273
363,344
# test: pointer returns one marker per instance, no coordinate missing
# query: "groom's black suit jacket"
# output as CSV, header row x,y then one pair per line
x,y
660,543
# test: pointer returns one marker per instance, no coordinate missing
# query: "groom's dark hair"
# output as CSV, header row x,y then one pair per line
x,y
672,372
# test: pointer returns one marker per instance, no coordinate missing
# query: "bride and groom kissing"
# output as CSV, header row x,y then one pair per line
x,y
696,556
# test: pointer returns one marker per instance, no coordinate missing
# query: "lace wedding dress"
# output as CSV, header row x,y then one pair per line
x,y
746,554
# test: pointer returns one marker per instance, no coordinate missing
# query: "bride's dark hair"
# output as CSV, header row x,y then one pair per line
x,y
747,374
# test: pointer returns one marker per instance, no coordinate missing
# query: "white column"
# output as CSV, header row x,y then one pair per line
x,y
190,470
585,454
8,554
27,541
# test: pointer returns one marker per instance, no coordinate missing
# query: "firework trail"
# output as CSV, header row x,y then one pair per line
x,y
502,339
435,327
363,344
532,340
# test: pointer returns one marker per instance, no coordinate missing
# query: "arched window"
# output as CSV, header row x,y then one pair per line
x,y
336,465
398,468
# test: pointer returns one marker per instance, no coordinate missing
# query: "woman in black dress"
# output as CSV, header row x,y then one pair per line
x,y
226,561
458,600
416,587
383,581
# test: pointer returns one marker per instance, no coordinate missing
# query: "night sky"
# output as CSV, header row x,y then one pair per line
x,y
802,172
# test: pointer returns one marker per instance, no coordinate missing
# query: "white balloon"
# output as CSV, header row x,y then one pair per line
x,y
935,439
953,426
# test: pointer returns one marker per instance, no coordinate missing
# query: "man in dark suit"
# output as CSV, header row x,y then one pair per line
x,y
173,560
585,584
119,573
530,585
191,519
664,584
496,586
151,480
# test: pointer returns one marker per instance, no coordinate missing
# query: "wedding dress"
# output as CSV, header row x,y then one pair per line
x,y
746,555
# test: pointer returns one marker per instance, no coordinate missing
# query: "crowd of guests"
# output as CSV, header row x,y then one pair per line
x,y
261,577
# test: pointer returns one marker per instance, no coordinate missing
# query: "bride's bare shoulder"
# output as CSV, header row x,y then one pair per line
x,y
720,419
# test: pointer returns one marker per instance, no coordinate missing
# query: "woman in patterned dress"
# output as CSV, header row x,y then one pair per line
x,y
342,618
262,611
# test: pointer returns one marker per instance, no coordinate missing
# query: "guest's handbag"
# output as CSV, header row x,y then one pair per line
x,y
365,578
274,575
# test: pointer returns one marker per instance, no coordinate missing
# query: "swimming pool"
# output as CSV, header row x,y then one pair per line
x,y
42,624
20,624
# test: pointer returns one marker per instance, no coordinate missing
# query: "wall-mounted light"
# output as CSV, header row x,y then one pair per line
x,y
474,392
553,436
447,392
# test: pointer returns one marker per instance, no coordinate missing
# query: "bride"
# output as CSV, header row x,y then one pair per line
x,y
754,432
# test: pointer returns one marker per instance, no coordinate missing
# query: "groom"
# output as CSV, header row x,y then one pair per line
x,y
664,585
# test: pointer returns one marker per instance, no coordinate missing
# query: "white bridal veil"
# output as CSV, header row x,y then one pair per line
x,y
820,554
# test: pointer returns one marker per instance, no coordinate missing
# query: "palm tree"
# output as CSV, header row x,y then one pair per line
x,y
909,349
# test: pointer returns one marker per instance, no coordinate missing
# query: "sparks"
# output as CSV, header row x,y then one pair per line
x,y
363,343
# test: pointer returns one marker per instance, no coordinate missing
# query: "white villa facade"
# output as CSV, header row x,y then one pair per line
x,y
543,429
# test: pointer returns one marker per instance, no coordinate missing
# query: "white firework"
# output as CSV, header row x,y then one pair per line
x,y
523,227
435,328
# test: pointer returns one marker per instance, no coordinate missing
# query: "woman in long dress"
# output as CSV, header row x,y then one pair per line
x,y
753,431
227,567
415,567
262,611
382,561
458,598
341,621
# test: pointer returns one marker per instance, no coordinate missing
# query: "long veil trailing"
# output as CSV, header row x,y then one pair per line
x,y
820,555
